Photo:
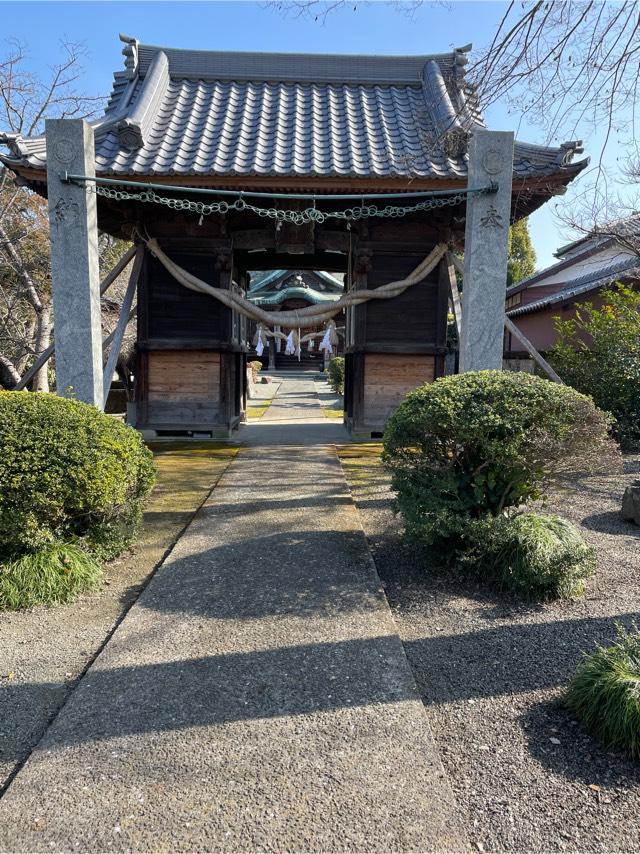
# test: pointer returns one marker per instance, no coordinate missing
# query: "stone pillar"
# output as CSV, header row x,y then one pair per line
x,y
485,251
272,354
74,262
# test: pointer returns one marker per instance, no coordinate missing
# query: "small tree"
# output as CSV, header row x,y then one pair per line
x,y
467,453
598,353
522,256
335,374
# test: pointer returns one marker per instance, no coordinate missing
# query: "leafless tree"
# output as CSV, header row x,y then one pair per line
x,y
569,66
26,100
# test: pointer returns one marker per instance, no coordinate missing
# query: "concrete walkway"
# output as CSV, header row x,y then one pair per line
x,y
257,697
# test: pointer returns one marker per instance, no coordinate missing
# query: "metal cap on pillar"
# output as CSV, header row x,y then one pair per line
x,y
74,261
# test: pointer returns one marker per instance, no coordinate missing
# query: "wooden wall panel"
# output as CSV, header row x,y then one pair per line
x,y
410,318
387,378
173,311
183,389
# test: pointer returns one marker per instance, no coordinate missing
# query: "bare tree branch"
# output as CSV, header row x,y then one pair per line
x,y
26,100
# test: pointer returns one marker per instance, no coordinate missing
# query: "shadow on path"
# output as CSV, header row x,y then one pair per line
x,y
218,689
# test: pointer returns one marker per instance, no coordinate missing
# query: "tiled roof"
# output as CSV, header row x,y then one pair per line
x,y
277,298
619,229
273,279
603,277
200,113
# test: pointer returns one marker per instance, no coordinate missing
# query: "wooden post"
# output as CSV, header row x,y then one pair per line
x,y
528,346
74,261
453,290
123,320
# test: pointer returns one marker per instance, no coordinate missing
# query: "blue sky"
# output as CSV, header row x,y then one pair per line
x,y
377,27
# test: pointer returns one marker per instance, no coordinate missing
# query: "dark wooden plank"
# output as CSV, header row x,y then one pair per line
x,y
442,309
212,344
174,311
400,347
411,317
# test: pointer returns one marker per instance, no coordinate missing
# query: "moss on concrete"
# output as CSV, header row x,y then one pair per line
x,y
254,413
187,472
361,463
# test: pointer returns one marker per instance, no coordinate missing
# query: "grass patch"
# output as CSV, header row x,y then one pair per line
x,y
604,693
333,413
52,575
537,556
363,468
187,471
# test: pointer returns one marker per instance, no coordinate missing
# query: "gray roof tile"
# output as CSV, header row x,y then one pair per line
x,y
176,112
603,277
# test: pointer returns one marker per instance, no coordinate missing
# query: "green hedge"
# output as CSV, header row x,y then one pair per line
x,y
335,374
68,473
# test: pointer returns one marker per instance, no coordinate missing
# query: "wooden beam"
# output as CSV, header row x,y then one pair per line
x,y
119,266
454,292
105,284
457,263
513,329
123,320
270,260
546,367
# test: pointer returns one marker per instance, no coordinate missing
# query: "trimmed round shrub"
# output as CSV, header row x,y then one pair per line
x,y
68,473
604,693
52,575
537,556
475,444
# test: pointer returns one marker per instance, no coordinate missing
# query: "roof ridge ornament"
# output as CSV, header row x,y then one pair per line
x,y
451,133
133,130
130,53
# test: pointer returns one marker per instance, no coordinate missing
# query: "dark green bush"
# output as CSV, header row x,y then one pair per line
x,y
335,374
476,444
605,693
51,575
598,353
68,472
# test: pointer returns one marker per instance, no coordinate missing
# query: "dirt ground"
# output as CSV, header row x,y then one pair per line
x,y
48,649
492,671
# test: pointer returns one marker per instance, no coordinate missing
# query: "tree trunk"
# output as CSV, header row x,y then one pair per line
x,y
9,376
40,381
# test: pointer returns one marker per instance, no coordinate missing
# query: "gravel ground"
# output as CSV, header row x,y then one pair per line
x,y
492,670
44,651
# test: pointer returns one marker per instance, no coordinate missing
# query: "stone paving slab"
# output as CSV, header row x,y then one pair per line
x,y
256,698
